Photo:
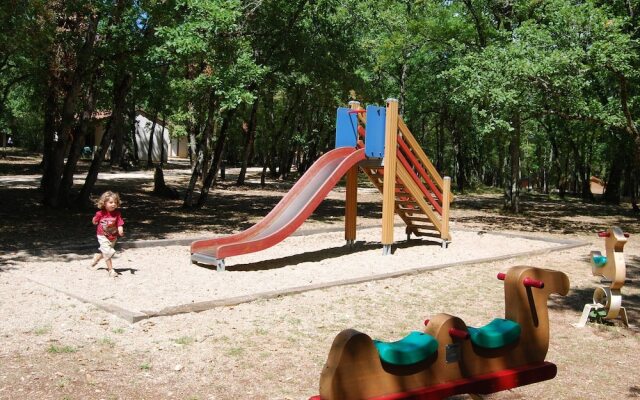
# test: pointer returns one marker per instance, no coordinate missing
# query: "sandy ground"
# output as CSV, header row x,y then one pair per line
x,y
57,346
169,281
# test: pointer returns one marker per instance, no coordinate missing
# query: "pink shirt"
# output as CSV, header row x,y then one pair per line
x,y
108,223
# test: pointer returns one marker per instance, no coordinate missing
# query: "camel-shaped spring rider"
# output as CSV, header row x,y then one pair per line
x,y
607,300
450,358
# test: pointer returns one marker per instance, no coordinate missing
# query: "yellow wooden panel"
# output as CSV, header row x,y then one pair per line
x,y
390,165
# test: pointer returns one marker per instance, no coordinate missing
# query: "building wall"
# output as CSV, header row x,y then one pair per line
x,y
143,133
180,147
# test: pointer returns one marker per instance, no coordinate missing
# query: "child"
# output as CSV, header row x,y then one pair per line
x,y
109,226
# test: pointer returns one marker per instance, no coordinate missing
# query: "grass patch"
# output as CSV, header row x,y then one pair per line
x,y
145,366
107,341
43,330
118,331
53,349
184,340
262,331
62,383
235,352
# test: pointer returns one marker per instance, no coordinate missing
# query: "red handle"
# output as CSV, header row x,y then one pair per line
x,y
356,111
530,282
426,322
458,333
607,234
502,276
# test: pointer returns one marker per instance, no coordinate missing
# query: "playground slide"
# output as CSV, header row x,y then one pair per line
x,y
292,210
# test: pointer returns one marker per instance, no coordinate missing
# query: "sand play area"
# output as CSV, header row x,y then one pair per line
x,y
311,259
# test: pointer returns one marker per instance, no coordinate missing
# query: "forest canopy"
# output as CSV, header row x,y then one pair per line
x,y
498,92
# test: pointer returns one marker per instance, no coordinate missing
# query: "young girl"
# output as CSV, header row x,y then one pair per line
x,y
109,226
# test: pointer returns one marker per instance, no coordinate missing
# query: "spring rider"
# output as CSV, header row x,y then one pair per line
x,y
449,357
607,300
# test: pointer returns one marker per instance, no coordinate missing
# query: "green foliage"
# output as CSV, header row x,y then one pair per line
x,y
470,76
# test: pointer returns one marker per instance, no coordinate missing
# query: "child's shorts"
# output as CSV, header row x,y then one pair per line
x,y
106,246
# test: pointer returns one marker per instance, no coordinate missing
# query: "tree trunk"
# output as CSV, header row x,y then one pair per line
x,y
204,140
118,117
403,84
54,166
132,131
163,151
50,113
632,128
557,165
513,191
212,173
119,95
250,138
159,185
152,135
460,160
585,169
76,146
612,191
195,172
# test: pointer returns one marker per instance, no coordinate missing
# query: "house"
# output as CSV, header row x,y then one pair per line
x,y
597,185
171,147
144,123
179,147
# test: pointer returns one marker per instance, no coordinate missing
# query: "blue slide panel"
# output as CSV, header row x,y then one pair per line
x,y
374,141
346,128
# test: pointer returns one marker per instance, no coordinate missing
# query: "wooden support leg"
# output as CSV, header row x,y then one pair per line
x,y
623,315
389,181
585,314
351,206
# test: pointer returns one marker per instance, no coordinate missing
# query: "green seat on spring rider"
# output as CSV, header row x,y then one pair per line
x,y
412,349
417,346
496,334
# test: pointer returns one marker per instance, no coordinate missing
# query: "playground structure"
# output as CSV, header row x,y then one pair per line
x,y
607,300
377,142
449,358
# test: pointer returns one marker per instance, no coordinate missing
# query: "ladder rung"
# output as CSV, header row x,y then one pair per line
x,y
420,219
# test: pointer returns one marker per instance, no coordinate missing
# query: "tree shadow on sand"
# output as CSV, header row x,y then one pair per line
x,y
29,228
540,213
320,255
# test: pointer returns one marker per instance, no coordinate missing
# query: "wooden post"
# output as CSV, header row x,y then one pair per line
x,y
351,201
446,200
389,184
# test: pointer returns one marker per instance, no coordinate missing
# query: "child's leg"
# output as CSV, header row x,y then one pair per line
x,y
107,250
112,272
94,262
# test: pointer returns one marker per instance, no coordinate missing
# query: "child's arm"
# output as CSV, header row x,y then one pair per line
x,y
120,223
96,218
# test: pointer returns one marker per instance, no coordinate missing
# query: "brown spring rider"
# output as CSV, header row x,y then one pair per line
x,y
449,357
607,300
